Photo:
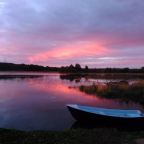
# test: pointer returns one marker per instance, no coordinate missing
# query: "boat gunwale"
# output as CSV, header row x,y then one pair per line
x,y
139,114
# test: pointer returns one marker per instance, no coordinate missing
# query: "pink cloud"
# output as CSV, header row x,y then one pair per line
x,y
68,51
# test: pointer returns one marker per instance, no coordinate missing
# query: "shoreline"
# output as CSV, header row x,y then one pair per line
x,y
73,136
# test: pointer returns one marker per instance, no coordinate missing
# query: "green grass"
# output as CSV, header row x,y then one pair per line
x,y
119,90
75,136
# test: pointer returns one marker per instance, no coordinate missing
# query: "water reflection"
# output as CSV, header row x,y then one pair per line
x,y
40,102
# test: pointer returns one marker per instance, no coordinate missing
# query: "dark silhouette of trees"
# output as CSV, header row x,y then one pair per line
x,y
142,69
71,68
86,67
78,67
24,67
66,69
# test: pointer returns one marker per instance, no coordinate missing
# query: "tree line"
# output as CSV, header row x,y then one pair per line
x,y
66,69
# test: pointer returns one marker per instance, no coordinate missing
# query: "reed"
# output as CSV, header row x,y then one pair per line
x,y
117,90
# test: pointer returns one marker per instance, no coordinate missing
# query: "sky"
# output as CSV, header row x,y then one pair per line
x,y
97,33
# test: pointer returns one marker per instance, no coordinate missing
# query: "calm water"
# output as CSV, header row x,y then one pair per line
x,y
33,102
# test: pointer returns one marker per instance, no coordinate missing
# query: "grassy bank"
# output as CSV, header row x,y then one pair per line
x,y
76,136
117,90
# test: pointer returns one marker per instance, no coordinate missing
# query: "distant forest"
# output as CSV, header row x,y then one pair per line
x,y
65,69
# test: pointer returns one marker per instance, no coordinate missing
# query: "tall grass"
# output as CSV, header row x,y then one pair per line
x,y
117,90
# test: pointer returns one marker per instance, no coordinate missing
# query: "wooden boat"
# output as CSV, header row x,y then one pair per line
x,y
94,114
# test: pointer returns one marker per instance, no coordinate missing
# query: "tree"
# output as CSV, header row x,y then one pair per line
x,y
71,68
86,68
78,67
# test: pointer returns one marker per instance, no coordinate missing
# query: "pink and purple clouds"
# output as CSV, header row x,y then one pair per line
x,y
97,33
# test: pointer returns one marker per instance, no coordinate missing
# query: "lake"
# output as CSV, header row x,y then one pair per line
x,y
37,101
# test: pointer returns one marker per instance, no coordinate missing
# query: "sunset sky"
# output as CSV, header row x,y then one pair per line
x,y
97,33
